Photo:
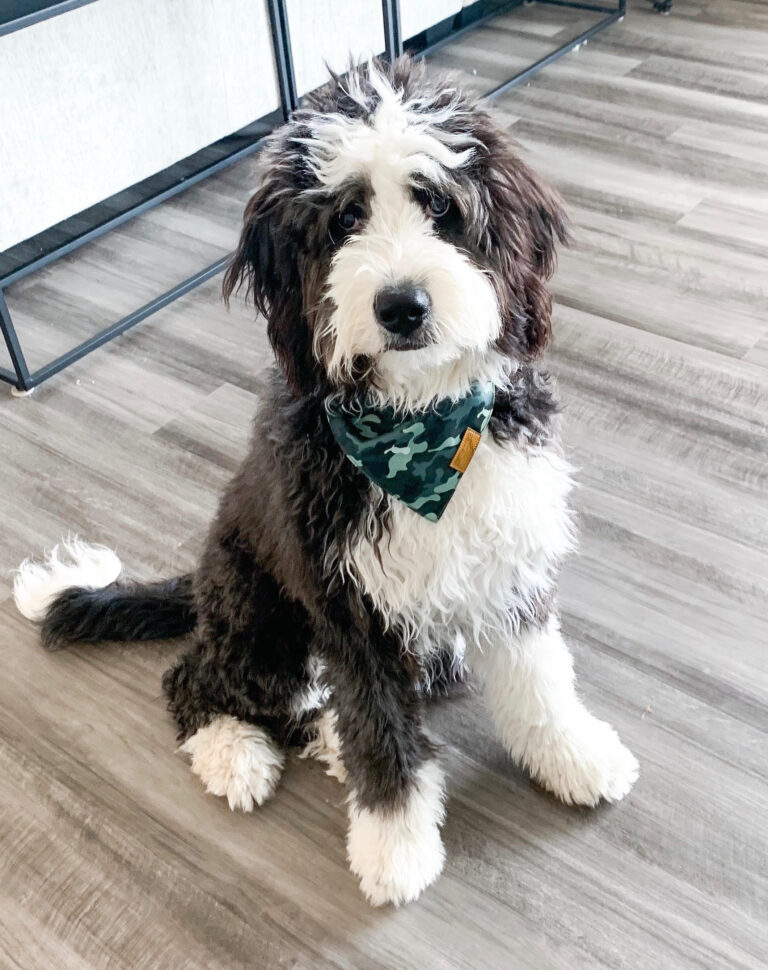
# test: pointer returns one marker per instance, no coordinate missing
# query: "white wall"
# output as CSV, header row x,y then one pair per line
x,y
417,15
98,98
331,30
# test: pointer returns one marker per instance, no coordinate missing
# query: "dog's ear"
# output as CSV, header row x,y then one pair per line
x,y
526,222
267,262
546,225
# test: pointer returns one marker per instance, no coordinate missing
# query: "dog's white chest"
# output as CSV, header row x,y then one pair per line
x,y
506,524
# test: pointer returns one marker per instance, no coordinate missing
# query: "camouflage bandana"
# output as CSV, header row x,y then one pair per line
x,y
418,457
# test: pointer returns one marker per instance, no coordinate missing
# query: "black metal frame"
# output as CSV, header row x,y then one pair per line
x,y
21,378
36,16
393,40
283,51
25,381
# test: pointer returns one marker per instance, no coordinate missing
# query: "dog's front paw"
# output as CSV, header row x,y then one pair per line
x,y
393,866
583,762
236,760
396,854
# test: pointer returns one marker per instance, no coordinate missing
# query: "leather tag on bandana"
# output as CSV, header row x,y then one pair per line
x,y
466,450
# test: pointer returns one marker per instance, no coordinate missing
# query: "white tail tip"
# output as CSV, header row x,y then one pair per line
x,y
70,563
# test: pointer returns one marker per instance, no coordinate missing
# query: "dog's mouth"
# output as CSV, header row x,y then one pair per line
x,y
412,341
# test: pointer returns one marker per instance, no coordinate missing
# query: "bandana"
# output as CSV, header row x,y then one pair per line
x,y
419,457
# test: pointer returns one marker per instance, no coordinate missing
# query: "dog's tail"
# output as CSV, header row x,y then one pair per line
x,y
75,595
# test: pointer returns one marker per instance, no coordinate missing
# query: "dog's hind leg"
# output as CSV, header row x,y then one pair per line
x,y
529,687
235,759
234,695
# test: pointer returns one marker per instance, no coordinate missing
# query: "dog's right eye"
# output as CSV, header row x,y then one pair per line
x,y
350,218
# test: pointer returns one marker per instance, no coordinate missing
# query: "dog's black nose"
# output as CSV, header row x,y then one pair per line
x,y
401,309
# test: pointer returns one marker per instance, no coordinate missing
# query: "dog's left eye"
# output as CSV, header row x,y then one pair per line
x,y
350,218
437,206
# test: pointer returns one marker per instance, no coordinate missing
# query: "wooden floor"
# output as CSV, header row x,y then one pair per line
x,y
110,853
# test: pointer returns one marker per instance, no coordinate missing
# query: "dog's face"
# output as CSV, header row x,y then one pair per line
x,y
397,241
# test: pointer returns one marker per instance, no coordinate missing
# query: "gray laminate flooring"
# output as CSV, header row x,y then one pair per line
x,y
110,853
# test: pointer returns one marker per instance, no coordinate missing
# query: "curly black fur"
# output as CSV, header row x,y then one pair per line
x,y
525,408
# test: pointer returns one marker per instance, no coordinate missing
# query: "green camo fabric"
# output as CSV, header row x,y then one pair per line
x,y
409,454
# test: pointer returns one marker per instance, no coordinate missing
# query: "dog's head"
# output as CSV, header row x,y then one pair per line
x,y
397,241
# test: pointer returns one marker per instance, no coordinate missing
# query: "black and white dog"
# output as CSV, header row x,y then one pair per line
x,y
399,249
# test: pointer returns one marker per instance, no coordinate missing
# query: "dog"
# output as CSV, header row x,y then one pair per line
x,y
402,511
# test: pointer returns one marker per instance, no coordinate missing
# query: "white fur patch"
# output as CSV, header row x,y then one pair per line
x,y
397,854
237,760
401,138
494,546
326,746
529,687
70,563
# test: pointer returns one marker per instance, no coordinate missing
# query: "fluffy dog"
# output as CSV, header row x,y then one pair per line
x,y
398,248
